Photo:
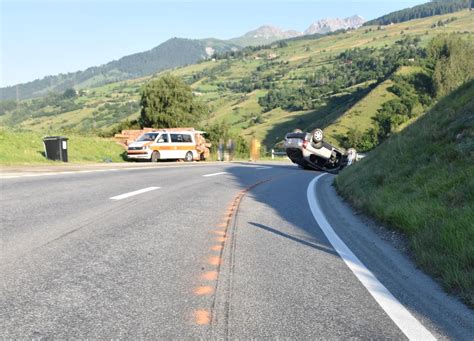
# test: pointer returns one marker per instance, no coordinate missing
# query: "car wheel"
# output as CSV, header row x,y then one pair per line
x,y
188,157
318,135
155,156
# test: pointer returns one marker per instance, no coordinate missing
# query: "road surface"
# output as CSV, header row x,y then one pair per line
x,y
234,250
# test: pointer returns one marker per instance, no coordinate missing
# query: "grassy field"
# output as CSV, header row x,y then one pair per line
x,y
360,116
17,148
421,182
239,109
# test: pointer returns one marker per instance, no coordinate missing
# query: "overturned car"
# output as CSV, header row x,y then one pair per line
x,y
310,151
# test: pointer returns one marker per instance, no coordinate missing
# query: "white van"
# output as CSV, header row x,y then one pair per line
x,y
165,144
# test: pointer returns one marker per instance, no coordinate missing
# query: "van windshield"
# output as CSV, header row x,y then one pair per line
x,y
147,137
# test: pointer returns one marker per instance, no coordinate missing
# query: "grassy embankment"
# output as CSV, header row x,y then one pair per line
x,y
17,148
420,181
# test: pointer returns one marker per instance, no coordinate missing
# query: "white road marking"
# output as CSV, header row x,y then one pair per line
x,y
214,174
407,323
62,173
98,170
130,194
262,168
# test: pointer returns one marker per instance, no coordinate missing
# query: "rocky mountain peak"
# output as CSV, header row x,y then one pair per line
x,y
334,24
271,32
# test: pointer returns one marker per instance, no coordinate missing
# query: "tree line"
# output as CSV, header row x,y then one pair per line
x,y
350,68
435,7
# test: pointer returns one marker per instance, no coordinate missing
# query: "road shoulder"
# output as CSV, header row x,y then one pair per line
x,y
387,256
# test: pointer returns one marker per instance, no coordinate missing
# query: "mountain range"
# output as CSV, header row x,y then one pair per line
x,y
172,53
267,34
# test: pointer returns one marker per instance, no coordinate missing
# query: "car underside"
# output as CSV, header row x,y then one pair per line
x,y
309,151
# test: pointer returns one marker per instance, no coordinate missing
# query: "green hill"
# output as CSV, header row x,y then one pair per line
x,y
420,181
432,8
263,91
172,53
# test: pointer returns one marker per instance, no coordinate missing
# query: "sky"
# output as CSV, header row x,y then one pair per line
x,y
48,37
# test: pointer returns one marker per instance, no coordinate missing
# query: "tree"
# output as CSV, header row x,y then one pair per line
x,y
168,102
69,93
453,62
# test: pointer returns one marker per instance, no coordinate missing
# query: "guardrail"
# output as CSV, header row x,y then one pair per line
x,y
277,153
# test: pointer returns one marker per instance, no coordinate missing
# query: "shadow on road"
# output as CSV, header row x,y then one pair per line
x,y
296,239
285,194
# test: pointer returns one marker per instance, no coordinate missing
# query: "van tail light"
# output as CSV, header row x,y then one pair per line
x,y
305,143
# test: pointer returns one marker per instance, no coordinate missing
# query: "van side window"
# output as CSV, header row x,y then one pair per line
x,y
187,138
163,138
176,138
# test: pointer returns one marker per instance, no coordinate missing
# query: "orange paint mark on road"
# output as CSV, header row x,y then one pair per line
x,y
220,233
220,239
216,248
202,317
209,276
223,225
205,290
214,260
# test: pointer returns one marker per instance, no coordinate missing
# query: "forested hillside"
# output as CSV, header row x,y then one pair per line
x,y
172,53
435,7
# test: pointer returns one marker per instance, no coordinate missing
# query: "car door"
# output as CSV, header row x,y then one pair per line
x,y
176,146
163,145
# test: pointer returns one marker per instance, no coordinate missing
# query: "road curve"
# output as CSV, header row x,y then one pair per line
x,y
209,251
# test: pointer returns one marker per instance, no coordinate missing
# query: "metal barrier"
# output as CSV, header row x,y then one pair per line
x,y
274,153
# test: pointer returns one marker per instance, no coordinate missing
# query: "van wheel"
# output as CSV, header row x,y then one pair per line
x,y
188,157
155,156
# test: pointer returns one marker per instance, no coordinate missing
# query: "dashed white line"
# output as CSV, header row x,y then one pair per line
x,y
214,174
407,323
130,194
262,168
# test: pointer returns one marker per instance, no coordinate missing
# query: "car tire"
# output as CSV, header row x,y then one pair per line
x,y
317,135
155,156
188,157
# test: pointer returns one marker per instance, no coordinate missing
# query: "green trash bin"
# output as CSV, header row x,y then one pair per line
x,y
55,148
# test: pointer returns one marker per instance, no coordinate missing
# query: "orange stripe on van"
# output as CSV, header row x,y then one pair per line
x,y
193,147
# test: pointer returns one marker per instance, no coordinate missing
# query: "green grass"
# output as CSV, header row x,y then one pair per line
x,y
26,147
420,181
360,116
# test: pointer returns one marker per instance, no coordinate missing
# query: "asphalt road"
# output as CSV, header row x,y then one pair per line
x,y
206,251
